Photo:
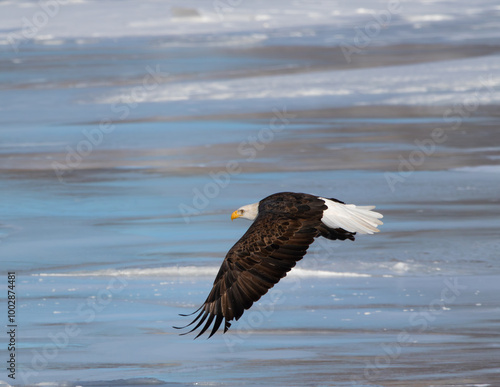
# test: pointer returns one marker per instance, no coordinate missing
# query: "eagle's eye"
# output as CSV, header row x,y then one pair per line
x,y
241,212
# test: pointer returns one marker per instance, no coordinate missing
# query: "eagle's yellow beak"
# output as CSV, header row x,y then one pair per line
x,y
235,215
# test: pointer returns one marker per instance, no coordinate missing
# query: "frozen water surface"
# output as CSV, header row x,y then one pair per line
x,y
129,132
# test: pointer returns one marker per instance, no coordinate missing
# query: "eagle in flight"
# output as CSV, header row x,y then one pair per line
x,y
284,225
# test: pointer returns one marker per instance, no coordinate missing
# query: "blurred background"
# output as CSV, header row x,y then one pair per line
x,y
129,132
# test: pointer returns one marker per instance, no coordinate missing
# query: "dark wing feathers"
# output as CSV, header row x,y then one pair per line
x,y
279,237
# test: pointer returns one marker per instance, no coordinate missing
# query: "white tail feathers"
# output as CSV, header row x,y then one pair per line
x,y
351,218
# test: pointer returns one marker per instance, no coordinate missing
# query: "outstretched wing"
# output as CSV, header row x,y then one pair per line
x,y
267,251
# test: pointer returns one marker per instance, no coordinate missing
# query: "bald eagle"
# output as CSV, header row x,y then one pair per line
x,y
284,225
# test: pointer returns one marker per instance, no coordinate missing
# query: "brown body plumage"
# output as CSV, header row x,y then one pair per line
x,y
285,226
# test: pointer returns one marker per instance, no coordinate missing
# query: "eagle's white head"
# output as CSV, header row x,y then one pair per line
x,y
250,211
